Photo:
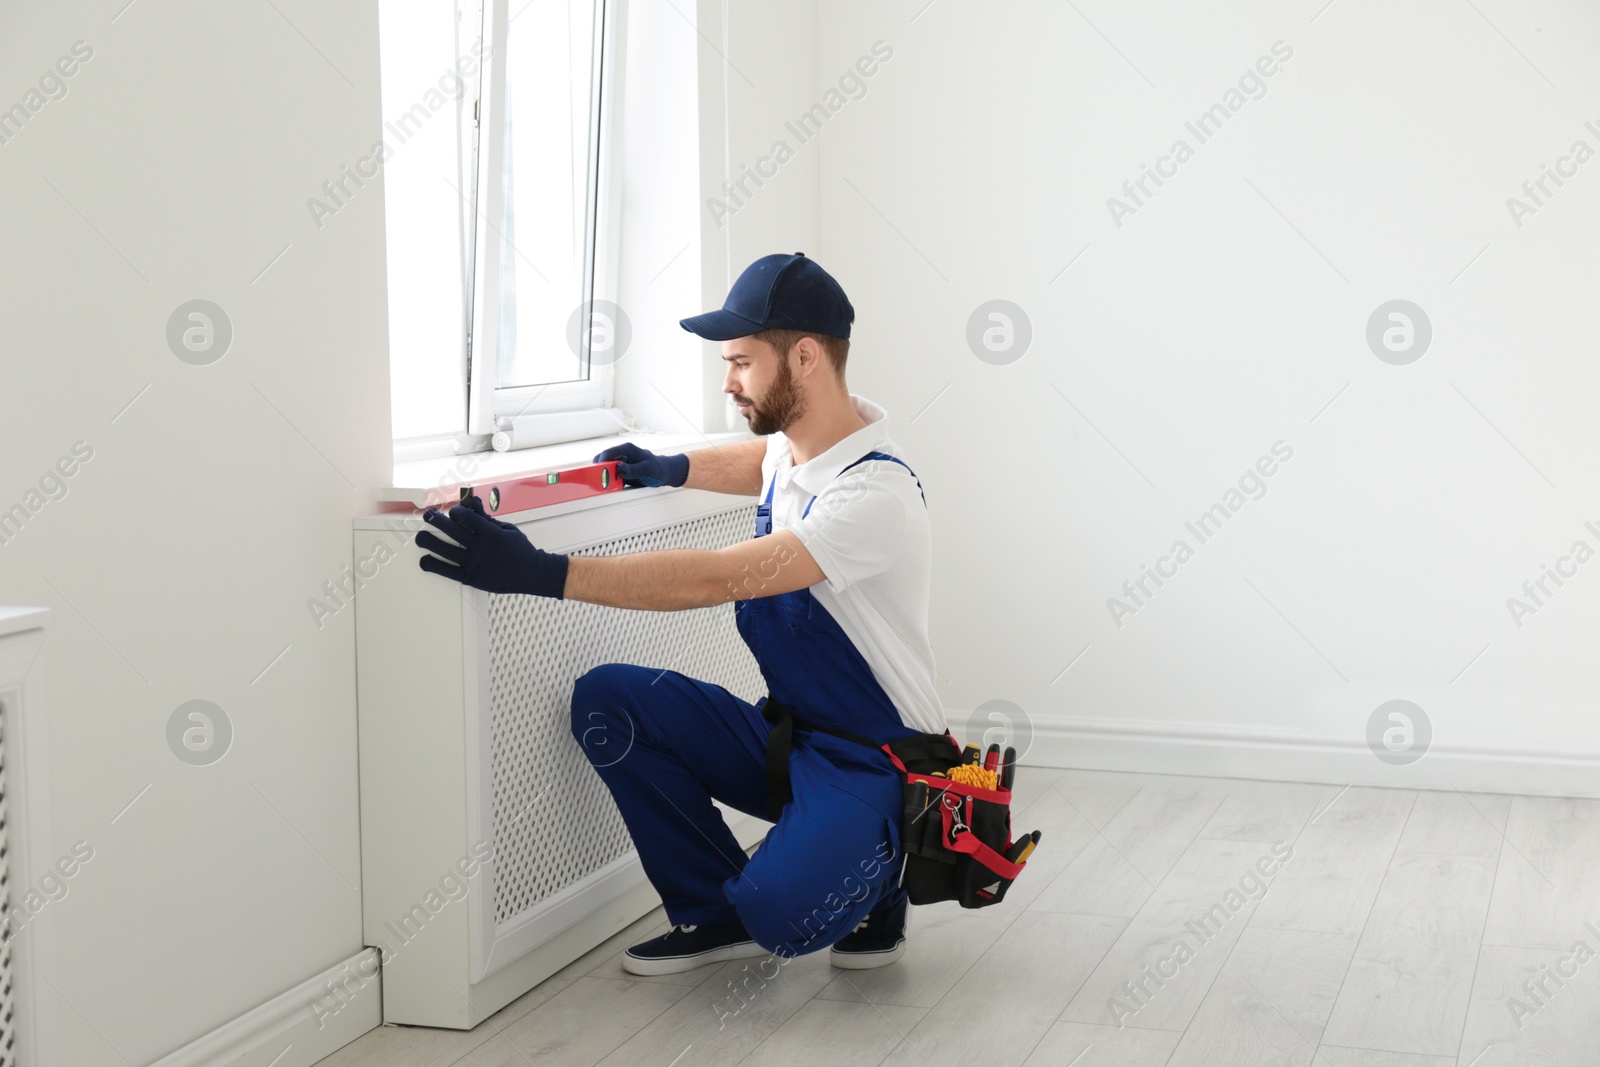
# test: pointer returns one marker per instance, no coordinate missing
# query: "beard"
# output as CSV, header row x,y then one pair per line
x,y
783,404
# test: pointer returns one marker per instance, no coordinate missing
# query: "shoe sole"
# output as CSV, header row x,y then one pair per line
x,y
679,964
865,961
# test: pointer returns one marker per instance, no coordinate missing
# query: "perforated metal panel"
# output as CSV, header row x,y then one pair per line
x,y
554,821
8,1031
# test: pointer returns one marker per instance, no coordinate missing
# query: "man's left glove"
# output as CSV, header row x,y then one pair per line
x,y
490,554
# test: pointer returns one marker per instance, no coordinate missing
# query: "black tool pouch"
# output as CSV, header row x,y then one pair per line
x,y
956,837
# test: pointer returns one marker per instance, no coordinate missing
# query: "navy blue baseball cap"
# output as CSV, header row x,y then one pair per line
x,y
778,292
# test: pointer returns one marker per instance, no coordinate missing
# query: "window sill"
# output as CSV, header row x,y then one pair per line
x,y
438,481
15,620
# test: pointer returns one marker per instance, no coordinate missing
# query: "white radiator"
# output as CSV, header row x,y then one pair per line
x,y
28,1035
465,744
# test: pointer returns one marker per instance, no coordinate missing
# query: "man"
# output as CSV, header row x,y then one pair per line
x,y
831,596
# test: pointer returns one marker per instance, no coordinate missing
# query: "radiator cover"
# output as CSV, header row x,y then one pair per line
x,y
464,704
30,1012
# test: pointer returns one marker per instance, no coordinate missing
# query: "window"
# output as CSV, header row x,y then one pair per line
x,y
497,232
425,51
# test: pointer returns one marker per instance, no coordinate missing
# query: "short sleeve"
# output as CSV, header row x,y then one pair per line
x,y
854,528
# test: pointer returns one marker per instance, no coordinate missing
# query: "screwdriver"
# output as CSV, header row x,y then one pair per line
x,y
1023,847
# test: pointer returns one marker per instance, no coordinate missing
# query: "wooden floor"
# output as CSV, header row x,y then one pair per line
x,y
1406,929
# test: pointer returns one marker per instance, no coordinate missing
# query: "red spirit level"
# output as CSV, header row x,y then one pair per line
x,y
540,490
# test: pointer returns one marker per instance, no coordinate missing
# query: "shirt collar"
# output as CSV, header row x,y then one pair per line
x,y
821,469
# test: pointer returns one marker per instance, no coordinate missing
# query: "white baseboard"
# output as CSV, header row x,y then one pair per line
x,y
286,1031
1230,752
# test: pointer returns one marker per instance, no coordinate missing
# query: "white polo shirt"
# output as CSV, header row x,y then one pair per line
x,y
869,532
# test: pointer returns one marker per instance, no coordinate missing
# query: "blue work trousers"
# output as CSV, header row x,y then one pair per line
x,y
667,745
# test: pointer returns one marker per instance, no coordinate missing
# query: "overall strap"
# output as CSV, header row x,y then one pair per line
x,y
863,459
764,509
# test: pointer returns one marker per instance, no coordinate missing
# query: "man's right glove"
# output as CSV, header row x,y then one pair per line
x,y
640,467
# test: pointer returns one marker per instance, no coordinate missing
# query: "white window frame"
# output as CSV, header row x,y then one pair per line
x,y
486,401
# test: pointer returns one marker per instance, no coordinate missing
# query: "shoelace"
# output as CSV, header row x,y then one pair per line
x,y
867,922
864,924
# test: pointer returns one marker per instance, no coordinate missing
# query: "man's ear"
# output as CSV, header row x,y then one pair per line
x,y
809,354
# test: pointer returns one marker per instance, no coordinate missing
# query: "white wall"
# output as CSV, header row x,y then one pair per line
x,y
702,102
1223,317
217,500
758,73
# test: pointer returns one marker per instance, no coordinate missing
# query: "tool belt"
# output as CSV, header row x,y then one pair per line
x,y
955,838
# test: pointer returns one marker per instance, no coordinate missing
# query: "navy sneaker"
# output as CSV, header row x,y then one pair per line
x,y
683,948
877,941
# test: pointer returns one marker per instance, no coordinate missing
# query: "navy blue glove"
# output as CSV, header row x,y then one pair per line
x,y
490,554
640,467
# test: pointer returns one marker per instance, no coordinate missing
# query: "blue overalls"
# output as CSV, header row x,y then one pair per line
x,y
667,744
